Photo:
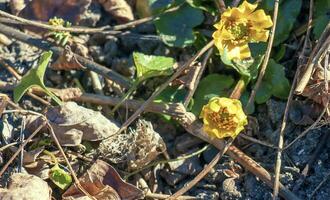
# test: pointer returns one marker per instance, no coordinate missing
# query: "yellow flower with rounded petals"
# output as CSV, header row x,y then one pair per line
x,y
223,117
240,26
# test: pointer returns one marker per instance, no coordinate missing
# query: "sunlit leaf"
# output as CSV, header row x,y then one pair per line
x,y
35,77
248,67
59,177
287,15
148,66
210,86
176,27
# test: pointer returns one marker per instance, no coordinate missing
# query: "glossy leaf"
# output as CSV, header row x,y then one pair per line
x,y
148,66
210,86
176,27
59,177
287,15
248,67
274,83
321,16
35,77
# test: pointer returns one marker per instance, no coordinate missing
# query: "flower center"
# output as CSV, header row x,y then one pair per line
x,y
239,30
223,120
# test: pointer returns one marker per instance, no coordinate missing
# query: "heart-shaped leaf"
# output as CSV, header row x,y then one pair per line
x,y
287,15
35,77
176,27
274,83
148,66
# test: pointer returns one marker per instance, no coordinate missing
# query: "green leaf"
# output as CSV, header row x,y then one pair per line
x,y
206,5
321,16
59,177
35,77
176,27
148,66
287,15
274,83
171,94
210,86
247,68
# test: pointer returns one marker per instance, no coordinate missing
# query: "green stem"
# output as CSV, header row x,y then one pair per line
x,y
126,95
240,87
53,96
52,156
167,161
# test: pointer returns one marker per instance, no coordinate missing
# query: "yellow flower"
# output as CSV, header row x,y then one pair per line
x,y
223,117
240,26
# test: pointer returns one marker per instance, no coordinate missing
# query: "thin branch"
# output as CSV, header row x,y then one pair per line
x,y
58,51
21,148
162,87
195,80
286,112
267,55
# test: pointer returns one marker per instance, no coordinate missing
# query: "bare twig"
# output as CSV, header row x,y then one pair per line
x,y
313,59
21,148
44,45
286,114
267,55
73,173
162,87
196,78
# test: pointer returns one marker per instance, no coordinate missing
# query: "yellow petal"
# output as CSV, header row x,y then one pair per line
x,y
247,7
214,106
259,35
239,52
259,20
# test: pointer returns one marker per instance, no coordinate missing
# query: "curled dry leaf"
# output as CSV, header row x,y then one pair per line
x,y
103,182
43,10
73,123
136,149
25,186
119,9
67,61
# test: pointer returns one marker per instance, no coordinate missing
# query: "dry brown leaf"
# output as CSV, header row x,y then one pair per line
x,y
43,10
73,123
67,61
25,186
104,183
119,9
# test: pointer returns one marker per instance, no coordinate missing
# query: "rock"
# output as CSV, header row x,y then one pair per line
x,y
256,189
97,53
188,166
275,110
172,178
25,186
229,190
206,194
91,16
124,66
